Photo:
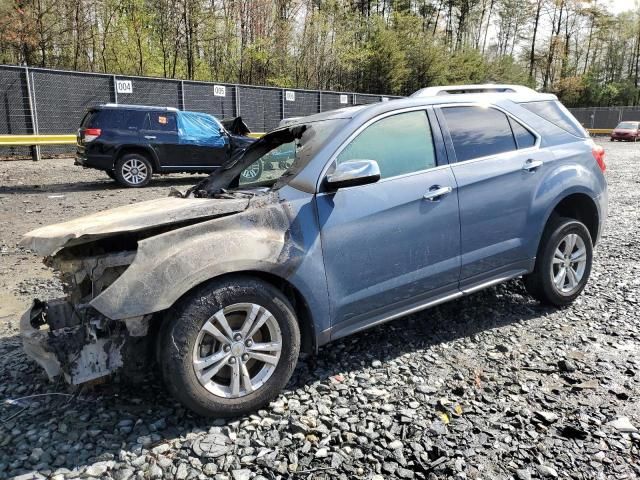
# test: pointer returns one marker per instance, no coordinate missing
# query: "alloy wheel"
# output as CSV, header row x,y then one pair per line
x,y
569,263
237,350
134,171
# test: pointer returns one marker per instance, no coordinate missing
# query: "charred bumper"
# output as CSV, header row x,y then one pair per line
x,y
79,343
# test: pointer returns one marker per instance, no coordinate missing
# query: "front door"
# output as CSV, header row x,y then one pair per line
x,y
393,244
498,169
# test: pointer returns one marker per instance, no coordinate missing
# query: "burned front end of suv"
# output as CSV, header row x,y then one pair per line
x,y
91,332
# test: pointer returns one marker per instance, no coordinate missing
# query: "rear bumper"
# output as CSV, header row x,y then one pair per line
x,y
100,162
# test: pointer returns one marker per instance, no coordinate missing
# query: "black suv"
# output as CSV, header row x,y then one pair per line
x,y
132,142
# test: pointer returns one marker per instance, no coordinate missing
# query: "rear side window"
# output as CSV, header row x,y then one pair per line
x,y
554,112
524,138
400,144
113,119
478,132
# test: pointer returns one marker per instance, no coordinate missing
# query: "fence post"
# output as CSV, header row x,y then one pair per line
x,y
282,102
319,101
236,106
115,89
182,104
35,149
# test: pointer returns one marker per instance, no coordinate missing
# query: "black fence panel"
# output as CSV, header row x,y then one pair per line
x,y
15,115
333,101
583,115
151,92
260,108
606,118
631,114
62,98
217,100
298,103
361,99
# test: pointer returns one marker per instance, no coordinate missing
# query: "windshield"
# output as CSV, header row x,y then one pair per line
x,y
288,156
627,125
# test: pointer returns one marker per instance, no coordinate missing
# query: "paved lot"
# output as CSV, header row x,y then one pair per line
x,y
491,386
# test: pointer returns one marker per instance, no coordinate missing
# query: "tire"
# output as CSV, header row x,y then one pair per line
x,y
551,260
253,173
111,174
187,341
133,170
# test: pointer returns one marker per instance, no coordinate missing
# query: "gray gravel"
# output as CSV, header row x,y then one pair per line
x,y
491,386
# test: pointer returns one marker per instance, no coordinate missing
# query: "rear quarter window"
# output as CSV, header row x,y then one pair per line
x,y
113,119
554,112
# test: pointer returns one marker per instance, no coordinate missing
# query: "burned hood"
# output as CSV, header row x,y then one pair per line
x,y
129,218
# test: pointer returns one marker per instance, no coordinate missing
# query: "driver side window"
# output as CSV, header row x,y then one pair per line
x,y
400,144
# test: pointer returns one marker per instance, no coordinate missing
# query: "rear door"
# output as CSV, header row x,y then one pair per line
x,y
160,132
497,167
386,246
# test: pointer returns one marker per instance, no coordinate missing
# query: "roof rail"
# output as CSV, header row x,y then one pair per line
x,y
460,89
140,107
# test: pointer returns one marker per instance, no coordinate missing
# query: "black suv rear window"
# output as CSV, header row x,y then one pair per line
x,y
113,119
554,112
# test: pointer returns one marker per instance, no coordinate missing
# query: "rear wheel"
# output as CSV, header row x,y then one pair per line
x,y
563,264
133,170
229,347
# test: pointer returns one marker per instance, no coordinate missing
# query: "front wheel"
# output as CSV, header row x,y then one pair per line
x,y
229,347
563,264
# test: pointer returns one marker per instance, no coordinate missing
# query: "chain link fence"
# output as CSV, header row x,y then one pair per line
x,y
45,101
605,117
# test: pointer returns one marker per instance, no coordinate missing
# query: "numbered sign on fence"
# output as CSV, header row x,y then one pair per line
x,y
219,90
344,99
124,86
290,96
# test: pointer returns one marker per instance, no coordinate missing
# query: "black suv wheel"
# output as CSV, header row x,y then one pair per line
x,y
253,172
133,170
229,347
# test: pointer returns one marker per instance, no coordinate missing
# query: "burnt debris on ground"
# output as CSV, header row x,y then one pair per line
x,y
491,386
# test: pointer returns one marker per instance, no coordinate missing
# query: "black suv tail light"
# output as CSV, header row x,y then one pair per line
x,y
90,134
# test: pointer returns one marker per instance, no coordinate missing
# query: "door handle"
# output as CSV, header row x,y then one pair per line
x,y
150,137
436,192
531,165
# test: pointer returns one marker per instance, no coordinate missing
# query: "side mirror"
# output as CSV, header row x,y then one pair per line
x,y
354,172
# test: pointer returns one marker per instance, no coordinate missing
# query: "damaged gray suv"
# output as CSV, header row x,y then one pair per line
x,y
380,211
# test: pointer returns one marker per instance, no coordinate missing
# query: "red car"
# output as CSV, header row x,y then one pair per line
x,y
626,131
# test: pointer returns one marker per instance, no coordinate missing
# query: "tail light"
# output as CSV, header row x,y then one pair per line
x,y
90,134
598,154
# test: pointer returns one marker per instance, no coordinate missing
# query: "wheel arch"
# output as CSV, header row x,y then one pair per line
x,y
147,152
308,342
578,205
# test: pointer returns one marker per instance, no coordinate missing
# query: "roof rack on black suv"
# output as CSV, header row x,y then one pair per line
x,y
132,142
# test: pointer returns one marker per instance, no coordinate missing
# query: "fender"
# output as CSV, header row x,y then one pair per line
x,y
562,180
169,265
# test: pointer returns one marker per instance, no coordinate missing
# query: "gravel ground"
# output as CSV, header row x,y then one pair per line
x,y
491,386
